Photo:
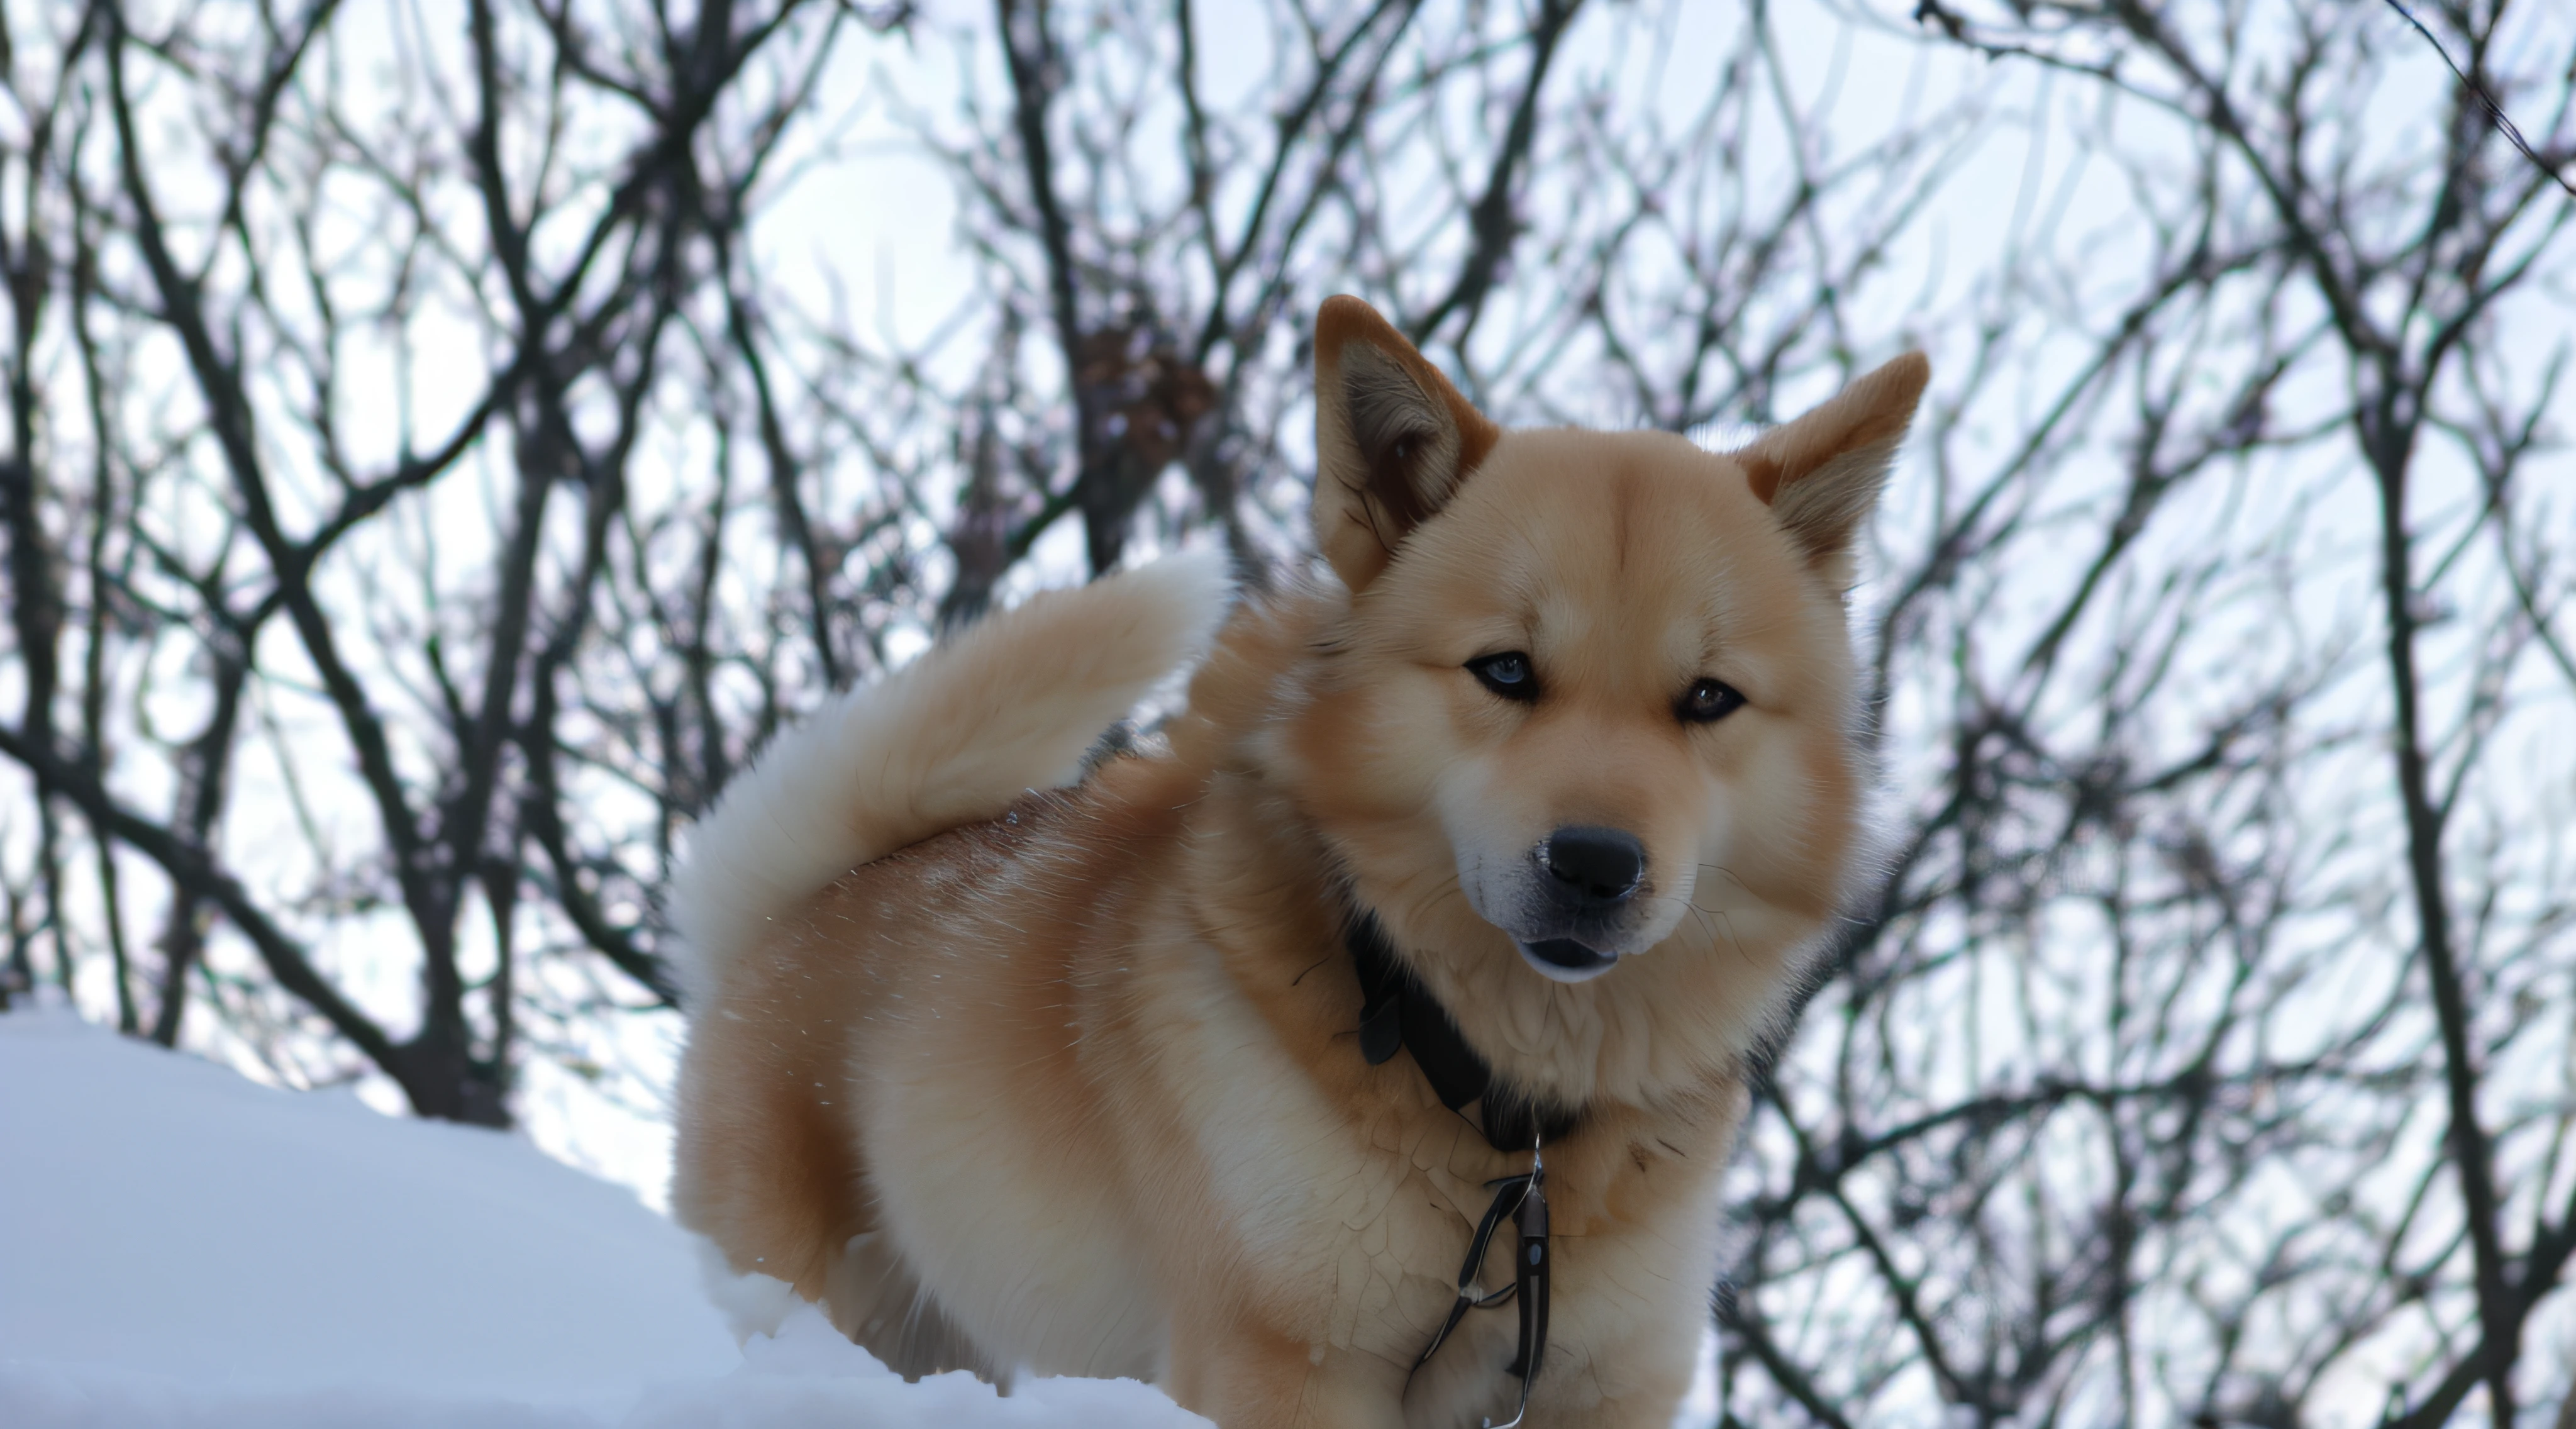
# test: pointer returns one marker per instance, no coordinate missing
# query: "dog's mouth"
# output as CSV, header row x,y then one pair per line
x,y
1565,960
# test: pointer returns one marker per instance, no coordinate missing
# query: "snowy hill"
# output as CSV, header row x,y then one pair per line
x,y
181,1247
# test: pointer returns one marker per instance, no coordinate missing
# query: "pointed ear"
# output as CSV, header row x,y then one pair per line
x,y
1821,473
1393,440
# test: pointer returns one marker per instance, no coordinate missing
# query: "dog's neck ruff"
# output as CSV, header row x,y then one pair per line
x,y
1397,1011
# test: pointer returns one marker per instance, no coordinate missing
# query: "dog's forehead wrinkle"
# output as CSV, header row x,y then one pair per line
x,y
1625,494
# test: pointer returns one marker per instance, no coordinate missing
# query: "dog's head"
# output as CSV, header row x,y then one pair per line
x,y
1592,695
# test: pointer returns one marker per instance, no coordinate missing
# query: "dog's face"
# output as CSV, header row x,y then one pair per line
x,y
1606,675
1592,699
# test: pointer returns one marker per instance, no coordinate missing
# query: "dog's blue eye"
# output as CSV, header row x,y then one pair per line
x,y
1710,701
1507,675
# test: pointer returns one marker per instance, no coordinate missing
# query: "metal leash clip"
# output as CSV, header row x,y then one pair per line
x,y
1524,1197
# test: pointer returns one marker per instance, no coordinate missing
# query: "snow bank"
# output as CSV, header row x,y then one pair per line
x,y
181,1247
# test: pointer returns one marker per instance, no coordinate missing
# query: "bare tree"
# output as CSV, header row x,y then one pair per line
x,y
286,286
429,482
2200,1058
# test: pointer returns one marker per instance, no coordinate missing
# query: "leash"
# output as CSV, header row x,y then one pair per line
x,y
1525,1195
1396,1012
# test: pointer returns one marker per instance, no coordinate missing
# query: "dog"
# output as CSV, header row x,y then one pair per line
x,y
1016,1067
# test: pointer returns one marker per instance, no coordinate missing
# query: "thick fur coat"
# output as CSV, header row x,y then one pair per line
x,y
1016,1069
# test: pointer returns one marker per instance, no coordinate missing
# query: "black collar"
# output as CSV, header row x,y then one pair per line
x,y
1396,1011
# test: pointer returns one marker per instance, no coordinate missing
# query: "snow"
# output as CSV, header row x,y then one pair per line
x,y
180,1247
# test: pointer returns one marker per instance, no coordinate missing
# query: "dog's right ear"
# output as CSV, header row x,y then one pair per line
x,y
1393,440
1821,474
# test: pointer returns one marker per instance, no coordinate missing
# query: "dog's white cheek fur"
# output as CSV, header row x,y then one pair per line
x,y
1489,868
1772,806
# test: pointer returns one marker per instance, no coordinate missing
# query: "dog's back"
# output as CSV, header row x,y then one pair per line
x,y
768,1167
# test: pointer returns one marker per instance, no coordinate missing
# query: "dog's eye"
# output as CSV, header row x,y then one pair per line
x,y
1710,701
1508,675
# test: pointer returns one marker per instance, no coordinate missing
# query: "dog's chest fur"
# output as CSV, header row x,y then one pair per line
x,y
1112,1087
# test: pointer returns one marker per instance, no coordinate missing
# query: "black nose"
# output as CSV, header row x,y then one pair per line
x,y
1593,866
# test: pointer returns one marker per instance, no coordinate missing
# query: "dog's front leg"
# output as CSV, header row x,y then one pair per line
x,y
1250,1376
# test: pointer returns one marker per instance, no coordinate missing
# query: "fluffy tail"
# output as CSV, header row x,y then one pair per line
x,y
1010,705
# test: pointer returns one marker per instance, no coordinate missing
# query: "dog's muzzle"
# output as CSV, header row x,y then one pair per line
x,y
1587,876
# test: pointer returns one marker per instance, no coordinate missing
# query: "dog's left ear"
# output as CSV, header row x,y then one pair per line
x,y
1393,440
1821,474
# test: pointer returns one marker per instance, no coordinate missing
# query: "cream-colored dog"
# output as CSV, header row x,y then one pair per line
x,y
1076,1081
